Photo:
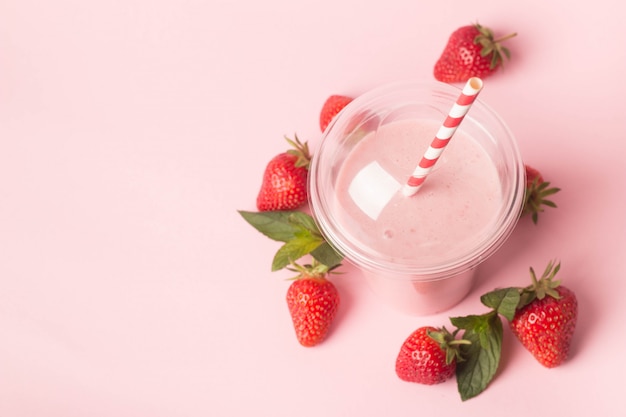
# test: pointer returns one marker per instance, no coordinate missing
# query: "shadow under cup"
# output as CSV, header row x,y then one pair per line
x,y
416,284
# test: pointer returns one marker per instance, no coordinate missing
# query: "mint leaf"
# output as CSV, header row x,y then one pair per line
x,y
303,220
326,255
294,249
504,301
482,356
274,224
466,322
300,234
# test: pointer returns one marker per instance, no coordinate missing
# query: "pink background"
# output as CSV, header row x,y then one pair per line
x,y
131,132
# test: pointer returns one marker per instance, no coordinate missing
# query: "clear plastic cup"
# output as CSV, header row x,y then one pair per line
x,y
435,267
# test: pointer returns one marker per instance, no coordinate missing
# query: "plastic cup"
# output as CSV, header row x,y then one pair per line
x,y
436,268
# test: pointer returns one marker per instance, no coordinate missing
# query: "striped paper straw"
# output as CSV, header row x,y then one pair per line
x,y
452,122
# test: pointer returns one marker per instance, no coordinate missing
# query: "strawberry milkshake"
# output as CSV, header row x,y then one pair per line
x,y
418,252
455,208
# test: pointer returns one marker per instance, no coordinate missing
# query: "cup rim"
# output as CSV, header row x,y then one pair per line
x,y
508,216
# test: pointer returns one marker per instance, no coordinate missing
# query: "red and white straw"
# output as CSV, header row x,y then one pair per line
x,y
452,122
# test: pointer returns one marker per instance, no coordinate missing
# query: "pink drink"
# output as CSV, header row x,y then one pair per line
x,y
418,253
456,206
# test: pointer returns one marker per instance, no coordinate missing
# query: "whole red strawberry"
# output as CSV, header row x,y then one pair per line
x,y
333,105
546,318
537,191
428,356
313,302
284,185
471,51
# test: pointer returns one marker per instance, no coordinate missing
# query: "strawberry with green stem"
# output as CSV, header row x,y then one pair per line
x,y
537,193
429,356
312,299
542,316
471,51
546,317
284,184
432,355
313,302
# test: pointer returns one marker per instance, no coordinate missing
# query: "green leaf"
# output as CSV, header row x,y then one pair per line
x,y
303,220
294,249
504,301
466,322
325,254
273,224
550,191
487,49
481,356
300,234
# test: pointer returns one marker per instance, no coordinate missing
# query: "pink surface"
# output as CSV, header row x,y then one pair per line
x,y
132,131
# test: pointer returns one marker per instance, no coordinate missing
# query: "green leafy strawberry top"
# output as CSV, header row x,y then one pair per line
x,y
490,45
300,151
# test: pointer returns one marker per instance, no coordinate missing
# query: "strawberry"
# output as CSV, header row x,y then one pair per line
x,y
311,298
471,51
333,105
284,185
428,356
545,319
537,191
313,302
